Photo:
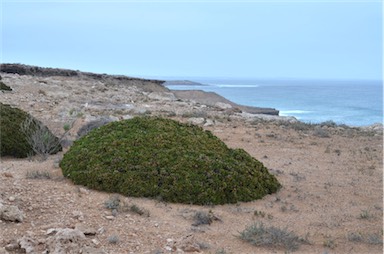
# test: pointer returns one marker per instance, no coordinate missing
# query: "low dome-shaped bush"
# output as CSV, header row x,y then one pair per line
x,y
15,142
162,158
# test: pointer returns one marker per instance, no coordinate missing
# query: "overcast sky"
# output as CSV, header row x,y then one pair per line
x,y
240,39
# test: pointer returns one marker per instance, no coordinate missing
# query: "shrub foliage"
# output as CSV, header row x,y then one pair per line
x,y
4,87
162,158
14,141
260,235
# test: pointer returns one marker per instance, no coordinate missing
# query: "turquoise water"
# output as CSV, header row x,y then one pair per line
x,y
355,103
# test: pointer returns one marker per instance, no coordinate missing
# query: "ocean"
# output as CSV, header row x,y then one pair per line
x,y
354,103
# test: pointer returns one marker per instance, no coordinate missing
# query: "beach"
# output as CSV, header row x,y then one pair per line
x,y
332,175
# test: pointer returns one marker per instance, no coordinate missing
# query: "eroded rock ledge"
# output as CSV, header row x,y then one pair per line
x,y
147,85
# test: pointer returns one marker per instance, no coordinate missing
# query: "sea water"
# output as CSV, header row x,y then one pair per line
x,y
355,103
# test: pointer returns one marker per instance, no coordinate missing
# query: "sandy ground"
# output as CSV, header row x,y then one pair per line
x,y
332,192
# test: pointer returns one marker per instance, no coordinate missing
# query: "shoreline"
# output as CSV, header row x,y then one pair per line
x,y
311,114
202,96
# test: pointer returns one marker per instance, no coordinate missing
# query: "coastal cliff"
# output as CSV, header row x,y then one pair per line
x,y
147,85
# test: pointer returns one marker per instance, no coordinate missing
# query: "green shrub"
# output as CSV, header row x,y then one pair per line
x,y
162,158
4,87
16,143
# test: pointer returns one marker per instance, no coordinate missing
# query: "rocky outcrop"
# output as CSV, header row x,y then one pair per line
x,y
215,100
146,84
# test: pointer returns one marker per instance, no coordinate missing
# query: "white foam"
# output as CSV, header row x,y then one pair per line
x,y
236,86
290,112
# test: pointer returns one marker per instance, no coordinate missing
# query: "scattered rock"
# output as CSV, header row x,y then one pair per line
x,y
196,120
3,250
11,213
222,105
83,191
101,231
7,174
78,215
86,229
12,246
189,244
208,122
91,250
66,240
162,96
27,244
96,242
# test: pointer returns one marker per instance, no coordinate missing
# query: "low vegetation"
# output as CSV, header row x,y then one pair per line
x,y
37,174
4,87
269,236
115,203
168,160
23,136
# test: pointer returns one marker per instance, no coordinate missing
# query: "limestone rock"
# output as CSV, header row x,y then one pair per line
x,y
223,105
11,213
3,251
91,250
196,120
27,244
162,96
208,122
189,244
86,229
66,240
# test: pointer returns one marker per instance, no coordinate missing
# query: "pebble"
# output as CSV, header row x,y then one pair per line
x,y
7,174
11,198
83,191
96,242
110,217
101,230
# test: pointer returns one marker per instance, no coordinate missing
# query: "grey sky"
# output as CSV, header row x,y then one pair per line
x,y
241,39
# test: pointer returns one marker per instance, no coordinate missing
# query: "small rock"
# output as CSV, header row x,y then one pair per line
x,y
223,105
208,122
7,174
110,217
12,246
27,244
101,230
162,96
3,251
83,191
87,230
196,120
91,250
78,215
96,242
51,231
189,244
66,240
11,198
11,213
